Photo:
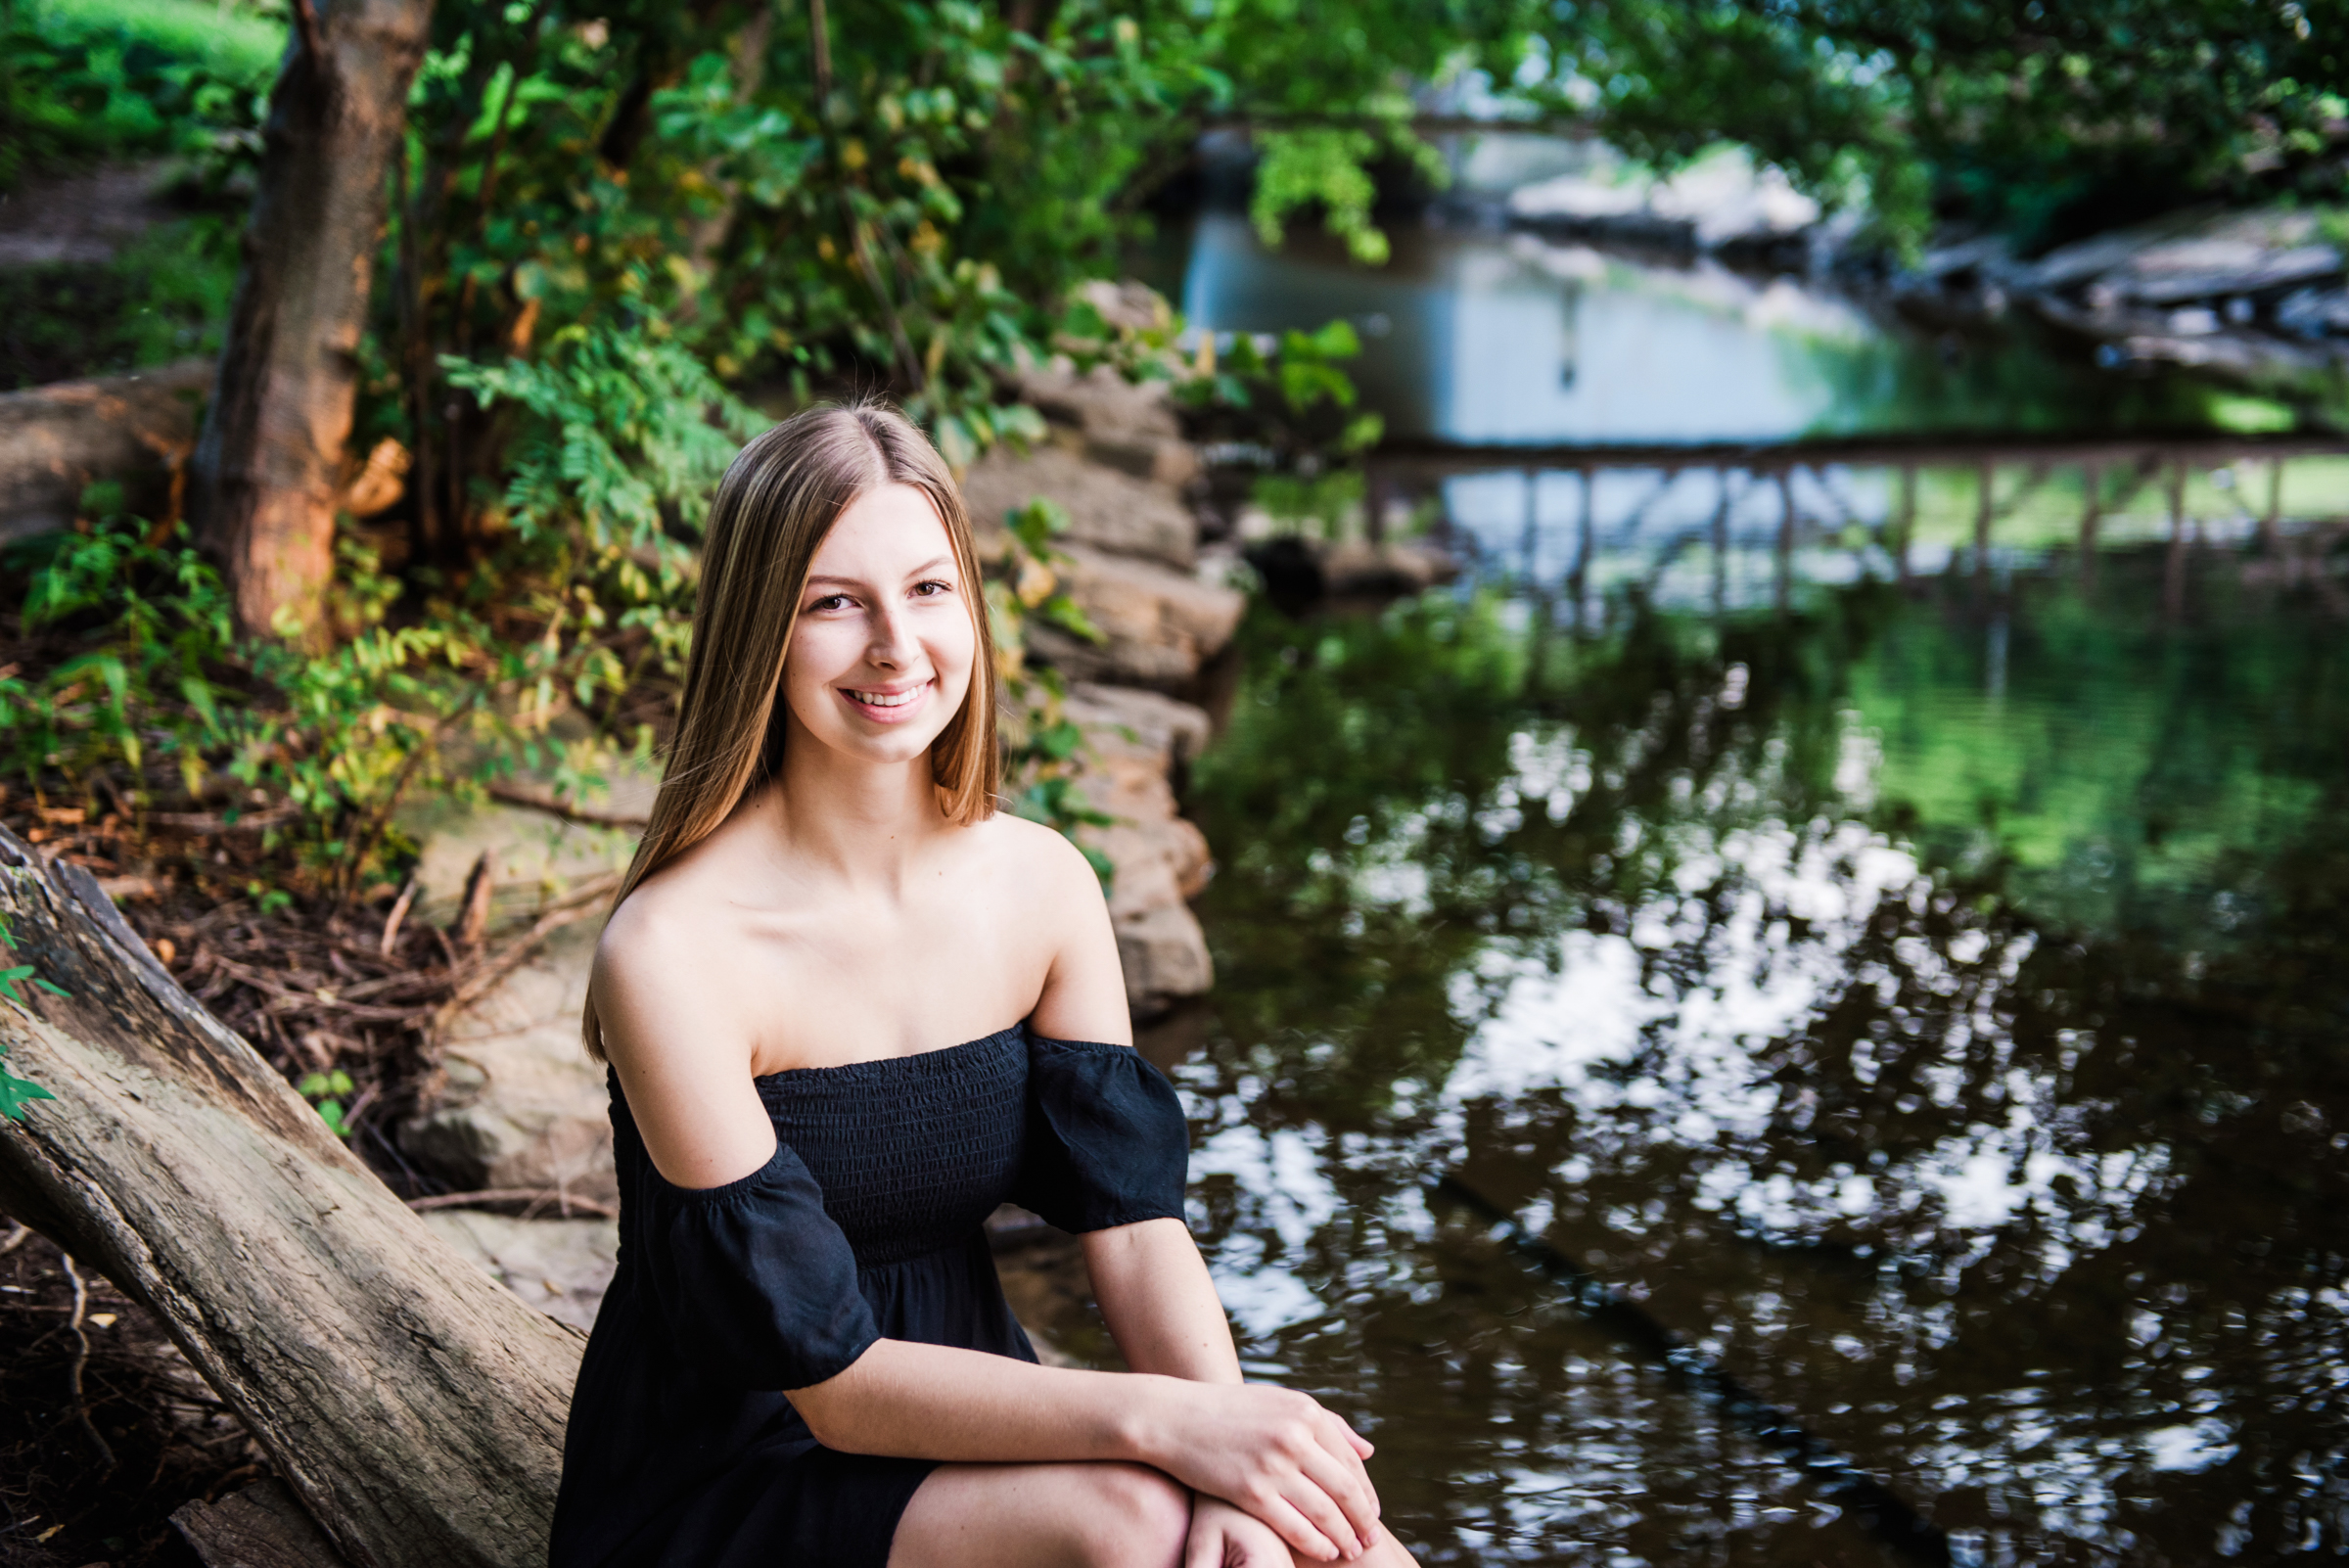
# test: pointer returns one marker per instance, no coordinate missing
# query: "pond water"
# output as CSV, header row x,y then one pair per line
x,y
1925,1013
1848,1076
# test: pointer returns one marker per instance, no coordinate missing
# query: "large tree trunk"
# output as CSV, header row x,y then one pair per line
x,y
268,465
413,1404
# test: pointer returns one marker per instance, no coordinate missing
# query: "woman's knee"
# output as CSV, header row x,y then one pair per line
x,y
1133,1517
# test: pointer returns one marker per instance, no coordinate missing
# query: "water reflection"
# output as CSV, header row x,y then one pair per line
x,y
1956,1061
1483,336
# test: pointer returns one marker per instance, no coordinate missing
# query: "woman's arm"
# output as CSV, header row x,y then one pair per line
x,y
1274,1452
1160,1303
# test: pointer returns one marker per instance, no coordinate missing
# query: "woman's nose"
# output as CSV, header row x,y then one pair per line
x,y
893,641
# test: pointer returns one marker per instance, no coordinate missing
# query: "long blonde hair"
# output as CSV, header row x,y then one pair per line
x,y
778,500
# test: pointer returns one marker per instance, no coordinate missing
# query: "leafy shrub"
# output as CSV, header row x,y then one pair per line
x,y
75,89
130,679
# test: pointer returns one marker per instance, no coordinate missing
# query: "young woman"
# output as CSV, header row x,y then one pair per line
x,y
806,1357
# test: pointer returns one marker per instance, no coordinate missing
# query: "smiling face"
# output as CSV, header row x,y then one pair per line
x,y
881,657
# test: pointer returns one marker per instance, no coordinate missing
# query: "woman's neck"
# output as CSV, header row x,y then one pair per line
x,y
840,817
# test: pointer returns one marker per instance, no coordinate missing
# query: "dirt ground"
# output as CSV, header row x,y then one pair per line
x,y
105,1428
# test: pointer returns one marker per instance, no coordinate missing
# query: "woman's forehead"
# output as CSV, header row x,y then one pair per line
x,y
888,528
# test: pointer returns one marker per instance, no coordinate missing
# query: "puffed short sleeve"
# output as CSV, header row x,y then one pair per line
x,y
753,1279
1107,1143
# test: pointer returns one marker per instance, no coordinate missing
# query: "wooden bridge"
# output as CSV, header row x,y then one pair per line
x,y
2115,470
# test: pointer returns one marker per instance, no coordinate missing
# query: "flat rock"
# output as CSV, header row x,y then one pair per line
x,y
2210,269
521,1107
1109,508
1134,740
560,1266
1159,625
1125,424
1101,402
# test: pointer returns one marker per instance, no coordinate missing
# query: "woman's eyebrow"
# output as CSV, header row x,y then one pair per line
x,y
931,564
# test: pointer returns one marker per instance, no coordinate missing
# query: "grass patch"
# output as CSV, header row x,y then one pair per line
x,y
234,43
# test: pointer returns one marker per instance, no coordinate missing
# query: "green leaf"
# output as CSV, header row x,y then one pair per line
x,y
17,1092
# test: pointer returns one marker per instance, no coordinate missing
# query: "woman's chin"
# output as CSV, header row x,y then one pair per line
x,y
897,745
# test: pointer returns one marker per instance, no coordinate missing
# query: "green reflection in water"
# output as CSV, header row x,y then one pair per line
x,y
1932,1008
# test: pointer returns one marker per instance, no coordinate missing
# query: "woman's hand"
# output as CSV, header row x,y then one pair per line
x,y
1225,1536
1274,1455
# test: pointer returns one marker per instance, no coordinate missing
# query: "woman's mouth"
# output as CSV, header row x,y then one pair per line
x,y
884,704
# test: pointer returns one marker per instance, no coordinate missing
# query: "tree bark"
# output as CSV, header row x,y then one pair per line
x,y
259,1526
268,464
414,1405
56,440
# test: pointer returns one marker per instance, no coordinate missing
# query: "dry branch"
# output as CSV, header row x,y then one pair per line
x,y
413,1404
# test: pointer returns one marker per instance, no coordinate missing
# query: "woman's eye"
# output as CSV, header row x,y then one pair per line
x,y
830,601
932,588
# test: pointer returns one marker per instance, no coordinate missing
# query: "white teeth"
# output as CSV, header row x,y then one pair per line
x,y
885,699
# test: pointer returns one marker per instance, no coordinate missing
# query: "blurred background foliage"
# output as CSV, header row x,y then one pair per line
x,y
622,234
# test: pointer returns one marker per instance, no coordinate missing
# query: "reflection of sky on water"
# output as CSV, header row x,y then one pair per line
x,y
1675,1067
1478,339
1951,1182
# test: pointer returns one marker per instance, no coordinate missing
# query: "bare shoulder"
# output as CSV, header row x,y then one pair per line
x,y
1083,994
657,954
1041,862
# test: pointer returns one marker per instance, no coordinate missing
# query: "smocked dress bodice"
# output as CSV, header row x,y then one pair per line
x,y
867,1223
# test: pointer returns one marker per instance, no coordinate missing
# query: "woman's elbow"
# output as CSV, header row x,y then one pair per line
x,y
826,1413
832,1407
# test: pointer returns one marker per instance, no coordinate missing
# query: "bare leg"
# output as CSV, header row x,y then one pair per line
x,y
1385,1552
1044,1516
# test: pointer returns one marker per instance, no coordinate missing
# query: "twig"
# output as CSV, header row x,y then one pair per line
x,y
529,1195
217,822
546,801
272,987
505,119
574,906
820,34
399,912
424,528
305,23
16,1238
82,1357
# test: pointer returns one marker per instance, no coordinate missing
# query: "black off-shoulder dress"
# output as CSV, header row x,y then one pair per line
x,y
867,1224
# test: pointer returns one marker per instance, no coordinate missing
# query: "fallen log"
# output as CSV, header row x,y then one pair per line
x,y
412,1405
56,440
259,1526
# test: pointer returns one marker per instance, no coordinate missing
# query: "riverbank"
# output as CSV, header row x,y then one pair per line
x,y
2258,295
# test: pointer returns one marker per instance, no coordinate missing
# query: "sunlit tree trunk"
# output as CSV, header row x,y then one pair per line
x,y
267,467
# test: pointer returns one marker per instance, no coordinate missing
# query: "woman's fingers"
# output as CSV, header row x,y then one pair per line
x,y
1320,1497
1350,1482
1348,1492
1204,1548
1295,1528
